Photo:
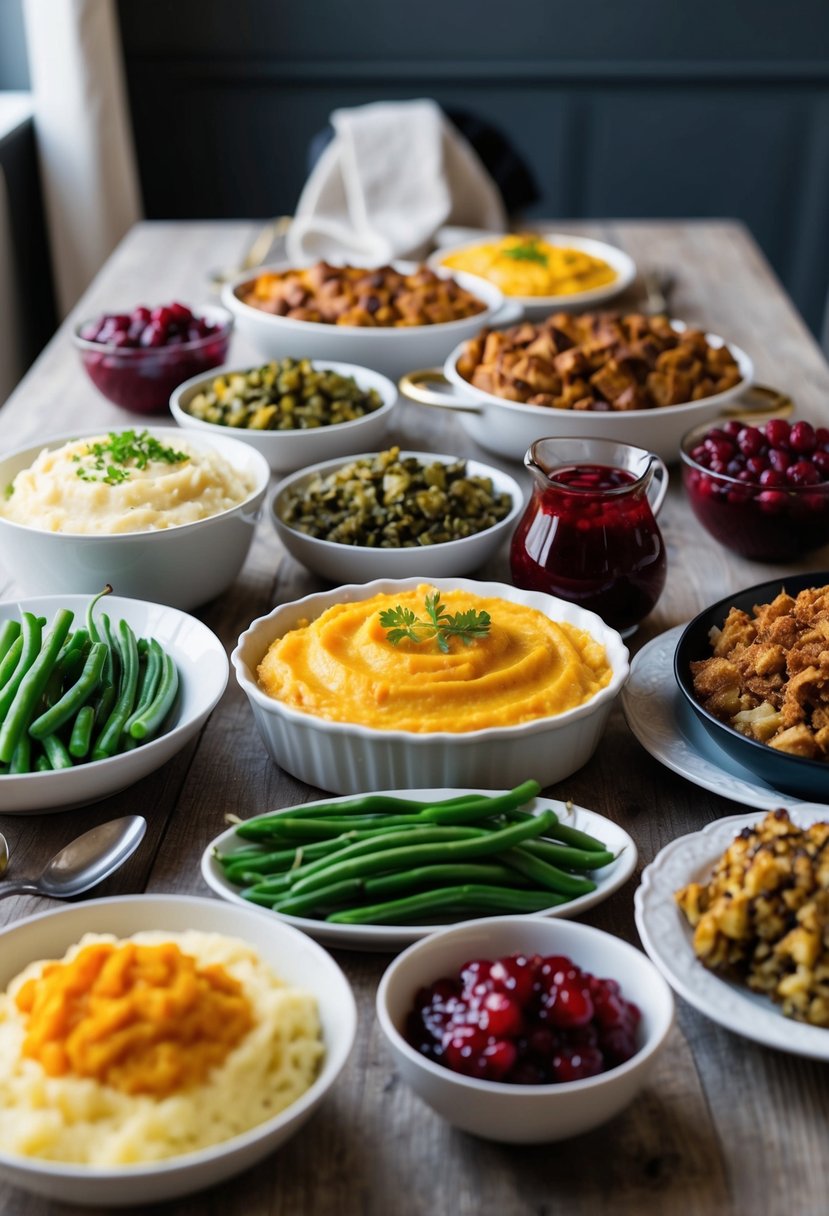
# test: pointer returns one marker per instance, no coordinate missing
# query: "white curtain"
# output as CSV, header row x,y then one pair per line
x,y
84,137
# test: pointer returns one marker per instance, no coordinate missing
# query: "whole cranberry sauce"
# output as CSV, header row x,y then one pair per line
x,y
595,547
524,1020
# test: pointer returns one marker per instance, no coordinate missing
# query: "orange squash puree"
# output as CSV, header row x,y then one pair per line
x,y
144,1019
342,667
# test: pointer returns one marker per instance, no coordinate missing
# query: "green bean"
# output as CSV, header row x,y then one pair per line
x,y
326,897
153,716
21,761
570,859
148,685
411,854
465,898
32,632
256,829
9,664
76,641
42,764
374,842
114,661
81,737
488,806
75,697
31,686
56,752
108,740
92,628
542,874
386,886
567,835
236,865
8,635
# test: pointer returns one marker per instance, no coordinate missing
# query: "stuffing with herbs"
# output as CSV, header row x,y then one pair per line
x,y
603,361
763,916
392,502
291,395
769,673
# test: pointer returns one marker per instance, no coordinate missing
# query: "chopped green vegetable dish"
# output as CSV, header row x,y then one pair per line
x,y
391,502
288,395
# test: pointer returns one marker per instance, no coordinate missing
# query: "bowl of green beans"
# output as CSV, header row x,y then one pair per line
x,y
96,694
294,412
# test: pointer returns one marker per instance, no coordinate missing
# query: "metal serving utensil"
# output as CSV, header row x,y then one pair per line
x,y
84,862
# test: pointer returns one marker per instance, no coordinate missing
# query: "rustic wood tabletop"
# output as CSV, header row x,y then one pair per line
x,y
724,1126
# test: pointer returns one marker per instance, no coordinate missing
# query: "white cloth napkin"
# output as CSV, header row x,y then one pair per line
x,y
394,173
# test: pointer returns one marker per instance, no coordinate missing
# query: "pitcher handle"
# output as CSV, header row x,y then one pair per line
x,y
659,485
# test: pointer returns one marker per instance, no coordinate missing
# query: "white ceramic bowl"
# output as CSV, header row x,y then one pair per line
x,y
525,1114
510,427
183,566
203,671
358,563
388,349
296,958
536,307
350,759
288,450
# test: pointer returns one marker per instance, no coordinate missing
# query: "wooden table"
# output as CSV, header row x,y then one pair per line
x,y
725,1126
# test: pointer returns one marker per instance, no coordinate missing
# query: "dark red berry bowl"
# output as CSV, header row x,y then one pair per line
x,y
783,771
138,359
763,490
442,1004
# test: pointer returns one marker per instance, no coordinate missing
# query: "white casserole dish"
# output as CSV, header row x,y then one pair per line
x,y
350,759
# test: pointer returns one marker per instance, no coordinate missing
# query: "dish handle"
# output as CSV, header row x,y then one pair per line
x,y
761,399
412,386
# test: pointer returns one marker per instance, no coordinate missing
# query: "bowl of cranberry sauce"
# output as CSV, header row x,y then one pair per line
x,y
524,1029
138,359
762,491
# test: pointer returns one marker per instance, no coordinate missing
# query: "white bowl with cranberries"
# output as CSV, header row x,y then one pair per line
x,y
762,490
522,1029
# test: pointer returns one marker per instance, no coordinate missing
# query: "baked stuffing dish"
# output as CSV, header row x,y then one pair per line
x,y
768,676
353,295
598,361
763,916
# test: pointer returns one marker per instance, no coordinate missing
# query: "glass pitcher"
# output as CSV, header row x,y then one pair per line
x,y
589,532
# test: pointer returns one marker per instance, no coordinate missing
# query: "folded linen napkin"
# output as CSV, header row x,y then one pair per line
x,y
394,173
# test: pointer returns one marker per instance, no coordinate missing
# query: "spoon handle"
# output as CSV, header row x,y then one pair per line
x,y
22,888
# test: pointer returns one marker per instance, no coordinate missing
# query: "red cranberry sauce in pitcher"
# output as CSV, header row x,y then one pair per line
x,y
598,546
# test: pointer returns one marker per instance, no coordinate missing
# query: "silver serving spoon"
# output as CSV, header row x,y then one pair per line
x,y
84,862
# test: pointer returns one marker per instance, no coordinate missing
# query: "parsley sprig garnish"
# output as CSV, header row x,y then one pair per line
x,y
112,460
527,251
402,623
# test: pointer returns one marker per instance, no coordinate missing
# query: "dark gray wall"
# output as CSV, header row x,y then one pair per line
x,y
638,107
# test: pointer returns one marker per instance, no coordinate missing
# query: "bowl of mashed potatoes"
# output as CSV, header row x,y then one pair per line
x,y
159,515
382,685
192,1039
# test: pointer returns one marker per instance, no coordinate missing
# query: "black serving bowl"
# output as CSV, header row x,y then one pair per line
x,y
790,774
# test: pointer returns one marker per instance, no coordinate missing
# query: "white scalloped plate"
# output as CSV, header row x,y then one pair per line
x,y
667,939
660,719
394,937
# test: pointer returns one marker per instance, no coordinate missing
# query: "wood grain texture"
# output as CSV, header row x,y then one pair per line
x,y
724,1126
